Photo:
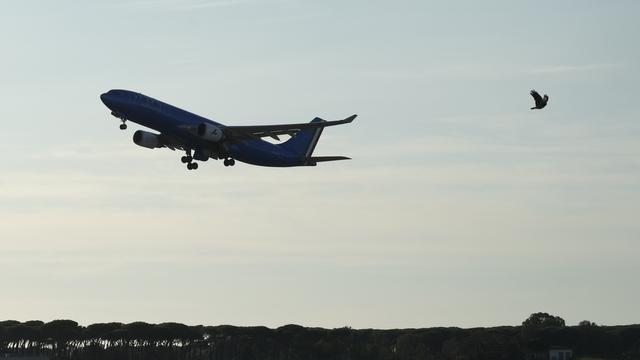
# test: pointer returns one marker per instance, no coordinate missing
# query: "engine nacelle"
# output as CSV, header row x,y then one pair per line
x,y
146,139
209,132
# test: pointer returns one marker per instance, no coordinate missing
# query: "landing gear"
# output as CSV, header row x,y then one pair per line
x,y
122,118
188,159
123,126
192,166
229,162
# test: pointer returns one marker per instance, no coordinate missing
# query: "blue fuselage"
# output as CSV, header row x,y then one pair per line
x,y
179,125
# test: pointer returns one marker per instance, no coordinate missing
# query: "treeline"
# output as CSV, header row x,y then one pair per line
x,y
65,339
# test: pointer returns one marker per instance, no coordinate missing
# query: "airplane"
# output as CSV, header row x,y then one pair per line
x,y
203,139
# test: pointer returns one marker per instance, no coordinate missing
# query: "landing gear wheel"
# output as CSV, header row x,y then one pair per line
x,y
192,166
226,162
186,159
232,162
123,126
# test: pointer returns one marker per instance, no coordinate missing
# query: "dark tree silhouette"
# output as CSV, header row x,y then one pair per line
x,y
65,339
59,334
587,323
541,320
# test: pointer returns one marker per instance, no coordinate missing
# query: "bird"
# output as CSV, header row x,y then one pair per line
x,y
541,102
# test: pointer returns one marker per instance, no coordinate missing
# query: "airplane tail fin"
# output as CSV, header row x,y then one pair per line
x,y
304,142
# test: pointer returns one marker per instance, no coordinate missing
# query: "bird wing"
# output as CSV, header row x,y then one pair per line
x,y
536,97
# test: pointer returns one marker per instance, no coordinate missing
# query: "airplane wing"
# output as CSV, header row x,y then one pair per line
x,y
284,129
170,142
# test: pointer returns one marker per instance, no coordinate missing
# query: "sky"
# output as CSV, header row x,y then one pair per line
x,y
461,206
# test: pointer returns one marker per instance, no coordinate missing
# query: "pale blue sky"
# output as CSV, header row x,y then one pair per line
x,y
461,207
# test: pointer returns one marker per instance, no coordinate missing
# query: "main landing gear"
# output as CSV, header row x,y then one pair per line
x,y
192,166
188,159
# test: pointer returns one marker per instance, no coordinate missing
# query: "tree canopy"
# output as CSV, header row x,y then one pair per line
x,y
542,320
66,339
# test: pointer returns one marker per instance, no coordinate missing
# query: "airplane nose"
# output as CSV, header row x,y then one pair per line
x,y
108,100
104,99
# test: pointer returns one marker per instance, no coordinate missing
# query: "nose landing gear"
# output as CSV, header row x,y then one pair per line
x,y
122,118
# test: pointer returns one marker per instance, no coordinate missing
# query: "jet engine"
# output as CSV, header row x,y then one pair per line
x,y
209,132
146,139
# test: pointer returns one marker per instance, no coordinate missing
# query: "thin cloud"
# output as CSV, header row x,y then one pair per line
x,y
181,5
142,3
212,4
573,68
88,152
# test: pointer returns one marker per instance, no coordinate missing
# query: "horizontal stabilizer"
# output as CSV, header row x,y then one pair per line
x,y
336,122
316,159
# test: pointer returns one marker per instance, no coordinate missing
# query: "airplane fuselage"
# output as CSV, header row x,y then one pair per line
x,y
180,125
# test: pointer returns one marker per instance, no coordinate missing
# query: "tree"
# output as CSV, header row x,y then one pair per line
x,y
542,320
60,333
101,332
587,323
